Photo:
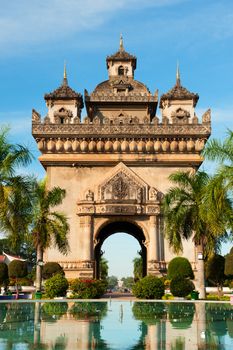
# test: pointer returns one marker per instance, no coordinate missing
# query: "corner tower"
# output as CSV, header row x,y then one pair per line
x,y
115,163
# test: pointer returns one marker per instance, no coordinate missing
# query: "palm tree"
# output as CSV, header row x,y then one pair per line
x,y
48,227
103,268
222,152
138,267
187,215
15,199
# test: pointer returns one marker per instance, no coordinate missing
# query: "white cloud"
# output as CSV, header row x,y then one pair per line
x,y
29,22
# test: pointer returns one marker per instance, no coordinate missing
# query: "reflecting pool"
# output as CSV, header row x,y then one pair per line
x,y
115,325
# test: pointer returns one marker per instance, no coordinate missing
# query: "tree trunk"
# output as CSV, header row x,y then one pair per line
x,y
39,258
201,273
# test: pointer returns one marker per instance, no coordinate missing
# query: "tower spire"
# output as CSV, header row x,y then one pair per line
x,y
177,74
65,82
121,43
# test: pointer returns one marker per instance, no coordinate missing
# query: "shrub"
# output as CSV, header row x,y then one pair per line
x,y
56,286
149,287
4,278
17,269
87,289
181,267
149,313
86,310
181,287
50,269
51,312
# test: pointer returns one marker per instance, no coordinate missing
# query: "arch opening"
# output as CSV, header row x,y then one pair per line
x,y
124,227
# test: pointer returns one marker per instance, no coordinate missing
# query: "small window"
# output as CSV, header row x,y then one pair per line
x,y
121,70
62,120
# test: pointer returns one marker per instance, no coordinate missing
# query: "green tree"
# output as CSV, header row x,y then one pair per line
x,y
229,264
15,190
138,268
17,269
128,282
103,268
215,271
112,282
49,226
185,208
4,278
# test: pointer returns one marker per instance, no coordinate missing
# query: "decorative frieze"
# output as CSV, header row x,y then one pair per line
x,y
117,209
121,145
77,265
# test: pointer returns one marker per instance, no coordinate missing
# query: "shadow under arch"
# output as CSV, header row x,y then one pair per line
x,y
113,227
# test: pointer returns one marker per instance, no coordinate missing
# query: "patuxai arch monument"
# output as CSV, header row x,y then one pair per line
x,y
114,163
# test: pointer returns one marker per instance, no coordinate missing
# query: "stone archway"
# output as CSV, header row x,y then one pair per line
x,y
112,227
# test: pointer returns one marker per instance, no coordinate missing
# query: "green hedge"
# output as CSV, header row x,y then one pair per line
x,y
180,267
149,287
17,269
87,289
181,287
56,286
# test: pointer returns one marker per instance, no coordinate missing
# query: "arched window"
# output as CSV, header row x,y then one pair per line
x,y
121,70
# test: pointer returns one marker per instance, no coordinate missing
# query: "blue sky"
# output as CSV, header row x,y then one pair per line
x,y
37,36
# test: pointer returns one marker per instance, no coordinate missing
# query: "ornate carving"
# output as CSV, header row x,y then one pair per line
x,y
77,265
206,117
89,195
153,194
36,117
180,116
153,209
139,130
123,184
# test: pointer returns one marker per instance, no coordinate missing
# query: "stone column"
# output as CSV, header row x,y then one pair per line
x,y
200,274
86,247
152,251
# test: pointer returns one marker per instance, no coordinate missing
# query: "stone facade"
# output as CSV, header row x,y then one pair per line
x,y
115,162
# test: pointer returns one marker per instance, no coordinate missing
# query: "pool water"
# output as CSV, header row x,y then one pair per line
x,y
115,325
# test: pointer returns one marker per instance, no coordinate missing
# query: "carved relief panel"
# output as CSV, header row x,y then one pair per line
x,y
121,188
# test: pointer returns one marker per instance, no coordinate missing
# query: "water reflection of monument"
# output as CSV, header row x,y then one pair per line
x,y
78,326
83,325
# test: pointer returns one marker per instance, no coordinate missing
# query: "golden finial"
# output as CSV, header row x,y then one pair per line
x,y
121,43
64,74
177,74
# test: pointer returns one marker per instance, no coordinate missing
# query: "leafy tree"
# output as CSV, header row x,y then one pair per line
x,y
215,271
48,227
50,269
229,264
112,282
138,268
17,269
180,266
186,207
4,278
128,282
103,268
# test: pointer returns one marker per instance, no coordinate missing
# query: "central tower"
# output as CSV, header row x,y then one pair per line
x,y
114,163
